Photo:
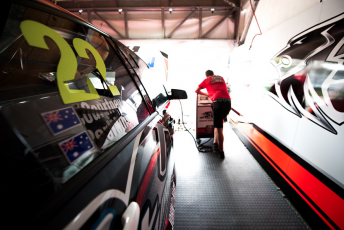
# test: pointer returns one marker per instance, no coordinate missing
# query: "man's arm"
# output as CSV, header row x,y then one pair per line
x,y
198,91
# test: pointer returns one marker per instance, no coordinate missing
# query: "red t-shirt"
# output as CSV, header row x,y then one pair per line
x,y
216,87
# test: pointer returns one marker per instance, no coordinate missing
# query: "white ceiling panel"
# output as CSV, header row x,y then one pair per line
x,y
144,24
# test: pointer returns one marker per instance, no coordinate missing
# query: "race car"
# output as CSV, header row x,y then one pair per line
x,y
86,135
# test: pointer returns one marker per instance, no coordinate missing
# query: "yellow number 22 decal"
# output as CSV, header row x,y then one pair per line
x,y
34,34
80,47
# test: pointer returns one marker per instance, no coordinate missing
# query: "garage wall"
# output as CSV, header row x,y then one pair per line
x,y
187,62
272,13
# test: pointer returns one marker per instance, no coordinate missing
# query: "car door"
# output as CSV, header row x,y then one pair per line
x,y
155,170
74,117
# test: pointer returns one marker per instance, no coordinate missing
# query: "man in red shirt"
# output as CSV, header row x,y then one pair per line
x,y
218,94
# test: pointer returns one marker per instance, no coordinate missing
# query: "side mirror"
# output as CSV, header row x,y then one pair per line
x,y
178,94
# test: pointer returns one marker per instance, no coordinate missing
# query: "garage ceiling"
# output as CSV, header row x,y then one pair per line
x,y
166,19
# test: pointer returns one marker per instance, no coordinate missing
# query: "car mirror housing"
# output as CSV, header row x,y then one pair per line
x,y
178,94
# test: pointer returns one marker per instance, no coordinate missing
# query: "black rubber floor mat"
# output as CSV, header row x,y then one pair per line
x,y
233,193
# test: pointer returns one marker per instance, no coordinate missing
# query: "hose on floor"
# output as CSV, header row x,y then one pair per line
x,y
200,147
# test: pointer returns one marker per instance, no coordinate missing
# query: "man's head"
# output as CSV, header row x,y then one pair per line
x,y
209,73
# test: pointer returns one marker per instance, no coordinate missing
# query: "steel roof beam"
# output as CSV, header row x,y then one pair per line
x,y
182,22
175,8
200,23
217,24
119,34
126,23
142,3
237,22
163,22
89,16
181,39
247,24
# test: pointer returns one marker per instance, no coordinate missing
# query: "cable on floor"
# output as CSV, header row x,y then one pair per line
x,y
200,147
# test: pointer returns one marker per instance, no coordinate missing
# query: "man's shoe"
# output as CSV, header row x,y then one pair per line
x,y
221,154
215,147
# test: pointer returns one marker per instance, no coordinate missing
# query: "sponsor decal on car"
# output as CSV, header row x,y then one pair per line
x,y
104,121
318,98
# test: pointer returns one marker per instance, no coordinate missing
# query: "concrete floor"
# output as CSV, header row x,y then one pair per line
x,y
234,193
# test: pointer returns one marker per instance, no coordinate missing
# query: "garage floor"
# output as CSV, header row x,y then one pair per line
x,y
234,193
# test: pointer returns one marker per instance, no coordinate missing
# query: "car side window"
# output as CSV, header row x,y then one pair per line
x,y
65,136
25,70
120,50
149,78
153,85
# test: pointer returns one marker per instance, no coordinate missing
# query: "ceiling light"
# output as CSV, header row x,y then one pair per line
x,y
80,11
212,10
170,10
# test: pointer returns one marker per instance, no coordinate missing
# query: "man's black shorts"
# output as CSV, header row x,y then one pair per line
x,y
221,109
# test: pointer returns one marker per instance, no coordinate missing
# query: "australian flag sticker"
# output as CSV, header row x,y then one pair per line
x,y
76,146
61,120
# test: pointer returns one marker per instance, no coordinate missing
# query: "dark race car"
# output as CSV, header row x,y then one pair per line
x,y
85,145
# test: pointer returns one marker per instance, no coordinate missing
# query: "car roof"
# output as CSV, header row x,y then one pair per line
x,y
59,11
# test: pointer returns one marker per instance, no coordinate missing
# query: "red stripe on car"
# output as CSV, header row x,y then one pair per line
x,y
327,200
146,179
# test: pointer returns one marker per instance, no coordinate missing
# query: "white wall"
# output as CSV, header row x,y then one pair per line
x,y
188,61
272,13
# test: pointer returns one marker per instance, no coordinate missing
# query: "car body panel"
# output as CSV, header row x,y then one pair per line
x,y
78,163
